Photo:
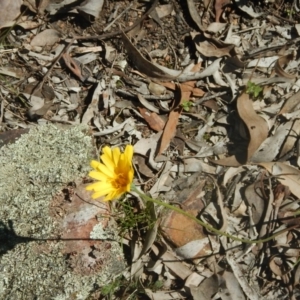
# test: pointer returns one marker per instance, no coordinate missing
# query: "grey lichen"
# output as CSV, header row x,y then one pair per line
x,y
99,232
33,169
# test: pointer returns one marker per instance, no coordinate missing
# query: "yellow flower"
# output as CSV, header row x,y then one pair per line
x,y
114,174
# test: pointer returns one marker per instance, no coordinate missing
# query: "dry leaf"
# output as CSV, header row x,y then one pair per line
x,y
195,248
186,86
153,120
91,7
35,6
93,109
257,128
287,175
248,9
291,138
42,5
256,125
292,104
9,11
206,289
148,105
270,147
31,4
78,68
47,37
216,27
141,162
169,130
171,261
219,6
150,238
164,10
143,65
234,289
256,201
211,47
195,15
239,273
144,145
277,265
280,63
156,89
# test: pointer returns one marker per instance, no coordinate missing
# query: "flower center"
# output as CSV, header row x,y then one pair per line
x,y
119,181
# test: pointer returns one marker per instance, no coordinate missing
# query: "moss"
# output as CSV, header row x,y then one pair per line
x,y
33,170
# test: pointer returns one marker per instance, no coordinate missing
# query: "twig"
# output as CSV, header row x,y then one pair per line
x,y
248,29
167,96
2,110
283,19
203,99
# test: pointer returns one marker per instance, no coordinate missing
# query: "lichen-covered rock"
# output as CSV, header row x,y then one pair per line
x,y
33,259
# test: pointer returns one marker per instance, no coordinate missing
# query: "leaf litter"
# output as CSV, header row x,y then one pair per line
x,y
207,92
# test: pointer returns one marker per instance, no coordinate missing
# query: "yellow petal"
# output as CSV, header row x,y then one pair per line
x,y
99,194
105,170
107,151
94,164
105,191
122,164
92,186
106,185
116,155
128,152
99,186
130,175
108,162
108,198
128,187
112,195
98,175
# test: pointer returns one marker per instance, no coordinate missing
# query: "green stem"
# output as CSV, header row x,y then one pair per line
x,y
205,225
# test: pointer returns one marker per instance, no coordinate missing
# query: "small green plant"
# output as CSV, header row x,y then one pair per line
x,y
290,12
186,105
111,288
206,136
119,84
3,37
134,220
120,288
253,89
156,286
